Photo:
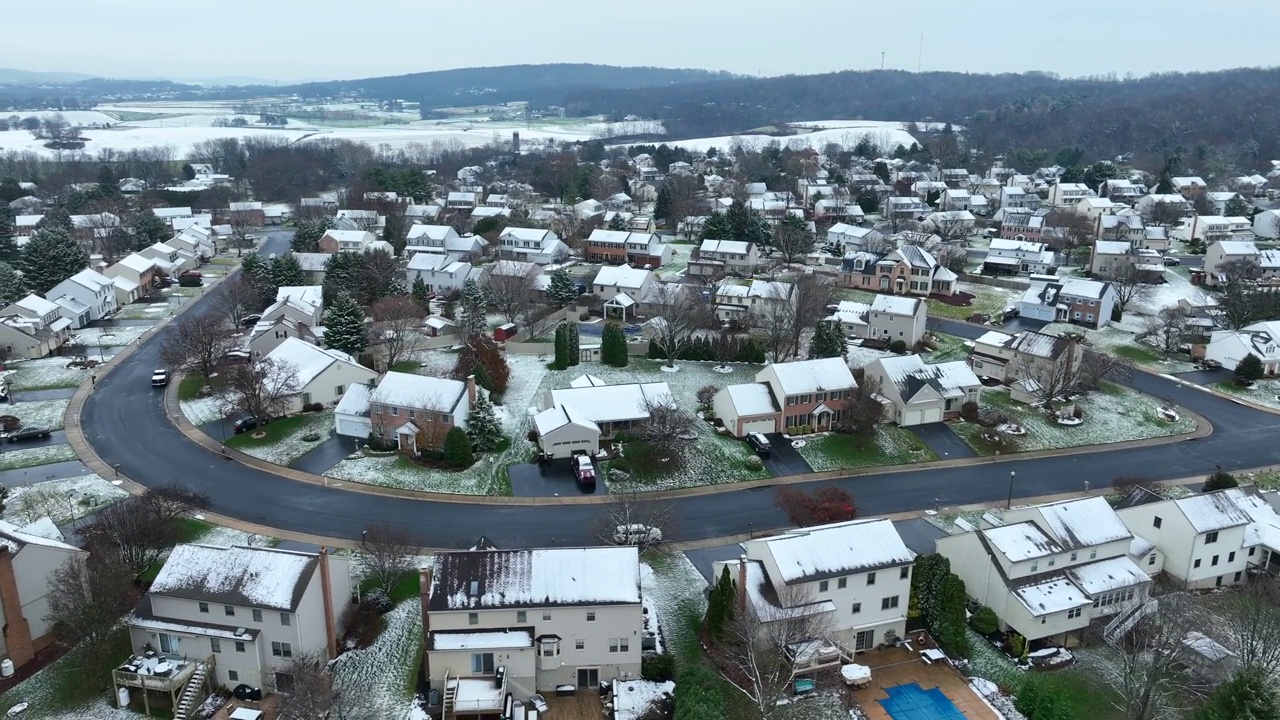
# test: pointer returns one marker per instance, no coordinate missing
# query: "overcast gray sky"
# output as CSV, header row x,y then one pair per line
x,y
292,39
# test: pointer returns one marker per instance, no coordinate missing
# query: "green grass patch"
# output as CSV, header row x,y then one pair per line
x,y
225,261
1136,354
189,529
949,348
36,456
406,366
891,445
273,432
189,387
861,296
71,682
406,588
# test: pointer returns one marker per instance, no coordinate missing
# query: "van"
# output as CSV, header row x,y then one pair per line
x,y
636,534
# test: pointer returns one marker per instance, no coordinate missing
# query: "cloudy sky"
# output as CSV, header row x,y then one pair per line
x,y
291,39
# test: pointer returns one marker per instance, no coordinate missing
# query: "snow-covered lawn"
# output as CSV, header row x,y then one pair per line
x,y
62,500
94,337
226,537
1177,287
44,374
886,135
676,588
202,410
147,311
1264,392
679,261
33,456
38,413
383,675
635,697
1116,414
892,445
860,356
291,446
1121,340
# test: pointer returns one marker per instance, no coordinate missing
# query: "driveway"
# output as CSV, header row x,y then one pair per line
x,y
943,441
41,473
1019,324
34,395
321,458
784,460
1205,377
705,557
552,479
920,535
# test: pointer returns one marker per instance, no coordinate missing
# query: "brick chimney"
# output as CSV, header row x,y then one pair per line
x,y
17,631
742,583
471,391
424,592
326,589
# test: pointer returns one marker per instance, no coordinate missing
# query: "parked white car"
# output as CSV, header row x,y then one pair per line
x,y
637,535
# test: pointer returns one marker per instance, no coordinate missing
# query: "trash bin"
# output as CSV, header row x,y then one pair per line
x,y
122,697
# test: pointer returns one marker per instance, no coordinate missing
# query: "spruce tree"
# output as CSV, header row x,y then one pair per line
x,y
562,346
561,289
286,272
307,237
483,427
147,229
51,256
57,217
1237,207
258,274
618,223
572,349
12,285
457,449
8,250
421,295
828,341
662,208
1249,369
342,275
472,320
344,326
613,346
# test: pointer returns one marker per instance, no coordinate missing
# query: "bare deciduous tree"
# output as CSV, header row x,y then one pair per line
x,y
236,300
626,508
241,223
386,553
86,598
1072,233
677,314
1129,285
509,293
1097,366
395,325
667,423
260,389
304,687
863,410
1239,270
130,531
170,502
1051,379
1167,328
196,343
1251,625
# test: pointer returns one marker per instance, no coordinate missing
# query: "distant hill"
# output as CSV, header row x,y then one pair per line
x,y
12,76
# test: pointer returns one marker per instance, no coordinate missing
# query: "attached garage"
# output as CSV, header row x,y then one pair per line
x,y
766,425
921,416
747,408
351,417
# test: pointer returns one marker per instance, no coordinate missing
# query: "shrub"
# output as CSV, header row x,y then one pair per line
x,y
1220,480
753,462
620,463
10,422
190,281
898,347
311,437
706,394
313,407
969,411
377,444
828,504
457,449
984,621
378,601
658,668
1249,369
1041,698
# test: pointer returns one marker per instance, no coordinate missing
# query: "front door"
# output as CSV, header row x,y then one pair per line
x,y
588,677
170,644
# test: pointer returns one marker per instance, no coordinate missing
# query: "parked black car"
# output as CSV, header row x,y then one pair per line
x,y
245,424
29,433
759,443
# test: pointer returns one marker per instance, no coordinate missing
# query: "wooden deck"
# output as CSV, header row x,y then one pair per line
x,y
585,705
899,666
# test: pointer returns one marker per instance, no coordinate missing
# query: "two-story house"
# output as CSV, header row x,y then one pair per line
x,y
134,276
918,394
322,374
955,198
746,303
535,245
1216,227
348,220
844,238
804,393
415,411
1069,194
440,273
1048,571
1163,206
1189,187
1122,190
297,312
33,327
196,240
614,280
886,319
346,241
905,208
443,239
29,556
502,623
1207,540
1021,224
89,289
1074,300
1029,360
1127,227
1260,339
1018,198
168,259
250,214
720,257
909,270
243,612
1017,256
856,572
1222,254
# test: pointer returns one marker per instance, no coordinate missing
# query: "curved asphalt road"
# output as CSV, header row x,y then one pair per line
x,y
125,422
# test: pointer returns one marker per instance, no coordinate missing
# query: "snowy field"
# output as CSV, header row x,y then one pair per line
x,y
61,500
815,134
147,311
1264,392
38,413
94,337
30,457
382,675
202,410
44,374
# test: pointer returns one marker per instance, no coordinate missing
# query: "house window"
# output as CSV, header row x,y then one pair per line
x,y
857,608
904,573
204,608
1151,560
864,640
215,645
822,586
1073,557
1052,561
257,615
579,644
546,616
306,398
1211,537
522,616
286,619
1231,557
337,390
239,646
1213,561
1237,577
842,583
482,663
1093,554
233,676
473,618
1251,551
1217,581
281,650
619,645
1196,564
889,603
1073,613
591,617
394,411
1157,522
229,610
871,578
1035,566
550,647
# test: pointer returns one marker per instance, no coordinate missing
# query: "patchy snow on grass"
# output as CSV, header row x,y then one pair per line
x,y
383,674
635,697
1177,287
34,456
292,446
676,588
893,446
45,374
987,300
38,413
147,311
62,500
1264,392
227,537
653,619
202,410
93,337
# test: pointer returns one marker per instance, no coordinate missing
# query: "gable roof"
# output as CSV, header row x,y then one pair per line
x,y
310,360
1212,511
1083,522
15,538
751,399
313,262
1021,541
554,418
546,577
910,374
735,247
430,393
1040,345
810,376
896,305
826,551
622,276
612,403
238,575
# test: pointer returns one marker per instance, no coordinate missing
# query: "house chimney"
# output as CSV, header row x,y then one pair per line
x,y
424,592
471,391
742,583
17,631
326,588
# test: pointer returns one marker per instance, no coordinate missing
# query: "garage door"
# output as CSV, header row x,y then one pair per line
x,y
761,426
932,415
351,427
911,417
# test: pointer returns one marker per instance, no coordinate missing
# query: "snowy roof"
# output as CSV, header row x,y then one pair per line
x,y
310,360
1139,547
909,374
736,247
535,578
14,538
1111,247
512,268
407,389
1040,345
357,237
45,528
124,284
552,419
827,551
621,276
136,262
238,575
587,380
896,304
1206,647
355,401
492,640
1016,245
1021,541
994,337
305,295
751,399
851,312
1212,511
1084,522
171,212
537,235
612,403
1075,287
431,232
765,601
809,376
37,305
313,262
1105,575
1051,595
1237,247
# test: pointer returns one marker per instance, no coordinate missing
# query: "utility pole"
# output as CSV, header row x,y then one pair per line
x,y
881,59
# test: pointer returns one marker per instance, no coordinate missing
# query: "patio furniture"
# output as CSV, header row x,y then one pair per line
x,y
245,714
856,675
803,685
932,655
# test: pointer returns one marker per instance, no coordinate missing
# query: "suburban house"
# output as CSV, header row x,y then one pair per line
x,y
804,393
248,213
911,208
323,374
360,220
90,229
1096,207
168,214
462,200
33,327
743,303
351,414
1189,187
841,208
1069,194
415,412
610,407
858,571
1266,224
443,239
952,225
138,273
909,270
440,273
1208,540
535,245
956,198
1216,227
1048,571
1017,256
886,319
1222,252
1170,205
1022,224
640,249
1125,191
169,259
196,240
1018,198
1127,227
614,280
503,624
241,612
1261,339
1082,302
313,265
88,289
918,394
1029,358
720,257
509,268
849,238
564,432
422,213
29,556
296,313
346,241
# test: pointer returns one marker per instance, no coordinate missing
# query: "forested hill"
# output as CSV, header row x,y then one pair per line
x,y
1230,113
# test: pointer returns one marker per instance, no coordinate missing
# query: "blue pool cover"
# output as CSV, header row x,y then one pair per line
x,y
912,702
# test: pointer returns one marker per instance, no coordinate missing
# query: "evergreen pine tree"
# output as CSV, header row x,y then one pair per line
x,y
8,250
472,320
662,207
57,217
258,274
421,295
342,274
561,289
1238,207
1249,369
613,346
655,352
828,341
562,347
483,427
344,326
12,285
51,256
147,229
618,223
307,236
457,449
571,345
1247,696
286,272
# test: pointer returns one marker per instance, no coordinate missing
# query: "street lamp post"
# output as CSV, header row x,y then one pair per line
x,y
1009,503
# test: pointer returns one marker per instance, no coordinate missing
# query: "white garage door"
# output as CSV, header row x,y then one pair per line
x,y
932,415
911,417
353,427
761,426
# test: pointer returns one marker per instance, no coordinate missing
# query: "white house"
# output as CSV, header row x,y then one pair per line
x,y
1068,194
564,432
717,257
443,239
1048,571
90,289
323,374
920,393
851,238
516,622
956,199
613,280
1261,339
440,273
138,271
1222,252
29,557
744,303
610,407
351,415
1216,227
1017,256
1266,224
887,318
856,572
535,245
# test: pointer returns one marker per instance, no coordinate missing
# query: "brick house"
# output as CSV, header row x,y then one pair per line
x,y
632,248
787,395
415,411
909,270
